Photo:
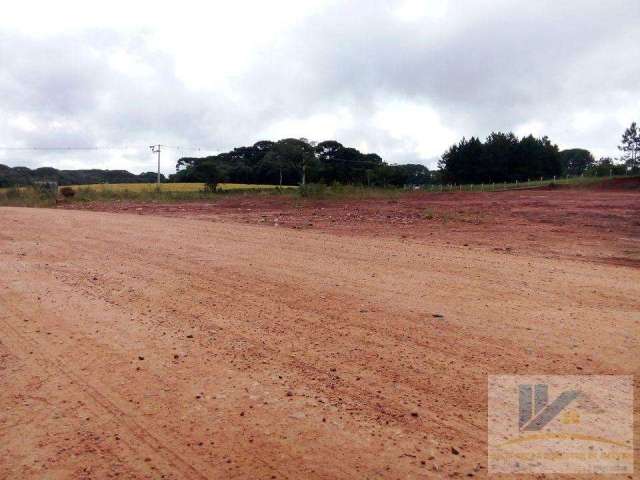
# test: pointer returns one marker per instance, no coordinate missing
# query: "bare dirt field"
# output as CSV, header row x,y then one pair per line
x,y
590,225
271,337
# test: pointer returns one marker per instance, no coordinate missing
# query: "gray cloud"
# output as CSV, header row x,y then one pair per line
x,y
487,68
567,68
64,91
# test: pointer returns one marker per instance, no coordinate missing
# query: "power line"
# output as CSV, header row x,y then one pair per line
x,y
131,147
154,149
179,147
66,149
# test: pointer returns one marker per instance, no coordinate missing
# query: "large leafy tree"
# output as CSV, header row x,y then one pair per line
x,y
209,173
295,153
275,167
338,163
576,161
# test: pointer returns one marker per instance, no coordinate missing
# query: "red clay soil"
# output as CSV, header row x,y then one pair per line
x,y
146,347
600,225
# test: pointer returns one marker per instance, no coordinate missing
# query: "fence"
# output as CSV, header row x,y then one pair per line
x,y
502,186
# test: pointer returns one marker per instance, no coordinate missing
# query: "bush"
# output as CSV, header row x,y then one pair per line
x,y
312,190
67,192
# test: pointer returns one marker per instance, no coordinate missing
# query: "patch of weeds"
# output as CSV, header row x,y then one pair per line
x,y
27,197
429,215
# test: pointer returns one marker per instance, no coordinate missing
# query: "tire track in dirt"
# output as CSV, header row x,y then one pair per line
x,y
395,413
393,410
156,442
255,322
148,447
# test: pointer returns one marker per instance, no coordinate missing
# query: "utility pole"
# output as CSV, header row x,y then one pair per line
x,y
156,149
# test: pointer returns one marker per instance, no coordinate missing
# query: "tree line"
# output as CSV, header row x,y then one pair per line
x,y
22,176
292,161
503,157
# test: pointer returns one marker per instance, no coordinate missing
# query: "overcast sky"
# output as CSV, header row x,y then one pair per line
x,y
402,78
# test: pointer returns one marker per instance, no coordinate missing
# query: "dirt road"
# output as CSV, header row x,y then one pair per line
x,y
148,347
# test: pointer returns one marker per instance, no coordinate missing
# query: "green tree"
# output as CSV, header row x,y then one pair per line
x,y
630,146
288,161
209,173
462,162
337,163
499,153
575,161
297,153
502,157
605,167
274,163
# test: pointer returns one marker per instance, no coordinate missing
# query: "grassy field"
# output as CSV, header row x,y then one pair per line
x,y
176,192
173,187
169,192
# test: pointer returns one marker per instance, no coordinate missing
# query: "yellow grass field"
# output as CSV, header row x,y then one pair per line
x,y
172,187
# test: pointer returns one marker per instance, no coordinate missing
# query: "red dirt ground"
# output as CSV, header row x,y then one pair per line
x,y
352,340
600,225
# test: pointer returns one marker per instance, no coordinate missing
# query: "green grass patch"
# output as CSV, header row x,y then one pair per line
x,y
338,191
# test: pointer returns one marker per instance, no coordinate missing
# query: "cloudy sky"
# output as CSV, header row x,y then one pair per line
x,y
402,78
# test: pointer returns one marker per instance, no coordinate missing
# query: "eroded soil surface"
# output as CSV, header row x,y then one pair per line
x,y
592,225
153,344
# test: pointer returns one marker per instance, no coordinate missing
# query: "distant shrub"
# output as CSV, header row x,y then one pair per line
x,y
67,192
312,190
